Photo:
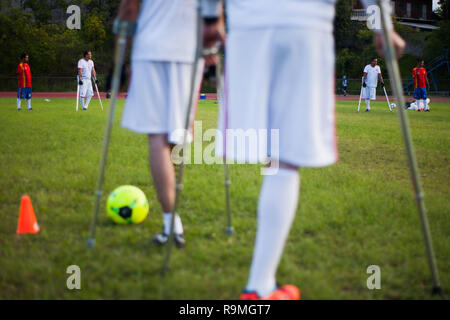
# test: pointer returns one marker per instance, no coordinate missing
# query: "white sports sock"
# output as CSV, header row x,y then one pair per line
x,y
425,104
276,210
18,103
422,104
167,220
29,103
88,100
82,102
367,104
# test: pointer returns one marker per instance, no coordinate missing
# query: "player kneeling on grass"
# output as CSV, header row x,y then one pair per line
x,y
24,77
413,105
267,45
372,73
85,72
162,64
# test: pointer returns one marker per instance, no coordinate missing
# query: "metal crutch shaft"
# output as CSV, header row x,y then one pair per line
x,y
394,73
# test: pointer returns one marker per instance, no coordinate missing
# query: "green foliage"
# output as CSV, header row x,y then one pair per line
x,y
94,30
443,10
53,49
438,40
342,24
351,61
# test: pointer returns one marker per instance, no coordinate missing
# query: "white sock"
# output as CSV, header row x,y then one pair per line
x,y
18,103
367,104
29,103
82,102
88,99
167,220
425,104
276,210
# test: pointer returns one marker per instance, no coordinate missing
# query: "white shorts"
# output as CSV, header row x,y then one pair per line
x,y
370,93
158,97
86,89
280,79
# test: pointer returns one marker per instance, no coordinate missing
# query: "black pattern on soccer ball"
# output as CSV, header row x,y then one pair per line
x,y
125,212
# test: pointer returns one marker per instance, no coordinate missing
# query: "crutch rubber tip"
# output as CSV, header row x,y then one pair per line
x,y
437,290
230,231
90,243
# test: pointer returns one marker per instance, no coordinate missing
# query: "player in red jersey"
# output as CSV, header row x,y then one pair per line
x,y
24,77
419,74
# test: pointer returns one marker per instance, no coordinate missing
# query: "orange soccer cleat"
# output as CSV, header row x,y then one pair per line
x,y
286,292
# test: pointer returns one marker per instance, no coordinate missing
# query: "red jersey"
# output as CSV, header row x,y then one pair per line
x,y
420,75
24,75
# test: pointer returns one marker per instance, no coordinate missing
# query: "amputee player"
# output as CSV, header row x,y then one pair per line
x,y
419,74
372,73
161,66
24,76
279,75
86,70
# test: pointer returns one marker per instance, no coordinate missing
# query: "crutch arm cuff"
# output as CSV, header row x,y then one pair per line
x,y
211,8
130,27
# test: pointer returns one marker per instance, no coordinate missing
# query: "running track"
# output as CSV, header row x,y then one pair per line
x,y
12,94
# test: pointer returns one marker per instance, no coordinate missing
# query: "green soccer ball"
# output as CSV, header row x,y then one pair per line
x,y
127,205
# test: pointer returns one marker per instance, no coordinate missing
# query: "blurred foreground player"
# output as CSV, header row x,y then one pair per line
x,y
271,49
161,67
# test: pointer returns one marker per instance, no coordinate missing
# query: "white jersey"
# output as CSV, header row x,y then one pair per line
x,y
372,75
86,68
166,31
314,14
250,14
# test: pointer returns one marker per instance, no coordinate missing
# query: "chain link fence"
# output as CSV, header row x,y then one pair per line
x,y
47,83
354,87
67,83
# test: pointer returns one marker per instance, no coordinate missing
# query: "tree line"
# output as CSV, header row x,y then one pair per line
x,y
54,49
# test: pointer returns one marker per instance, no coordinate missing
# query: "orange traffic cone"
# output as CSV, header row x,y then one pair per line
x,y
27,219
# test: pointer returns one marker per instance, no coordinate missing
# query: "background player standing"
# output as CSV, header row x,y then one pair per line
x,y
419,74
372,73
24,77
162,64
344,85
85,72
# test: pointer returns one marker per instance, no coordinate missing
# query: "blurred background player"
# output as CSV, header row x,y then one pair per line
x,y
85,72
24,76
419,74
161,69
344,85
372,73
271,49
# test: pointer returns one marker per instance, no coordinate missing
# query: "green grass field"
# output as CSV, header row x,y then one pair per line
x,y
357,213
